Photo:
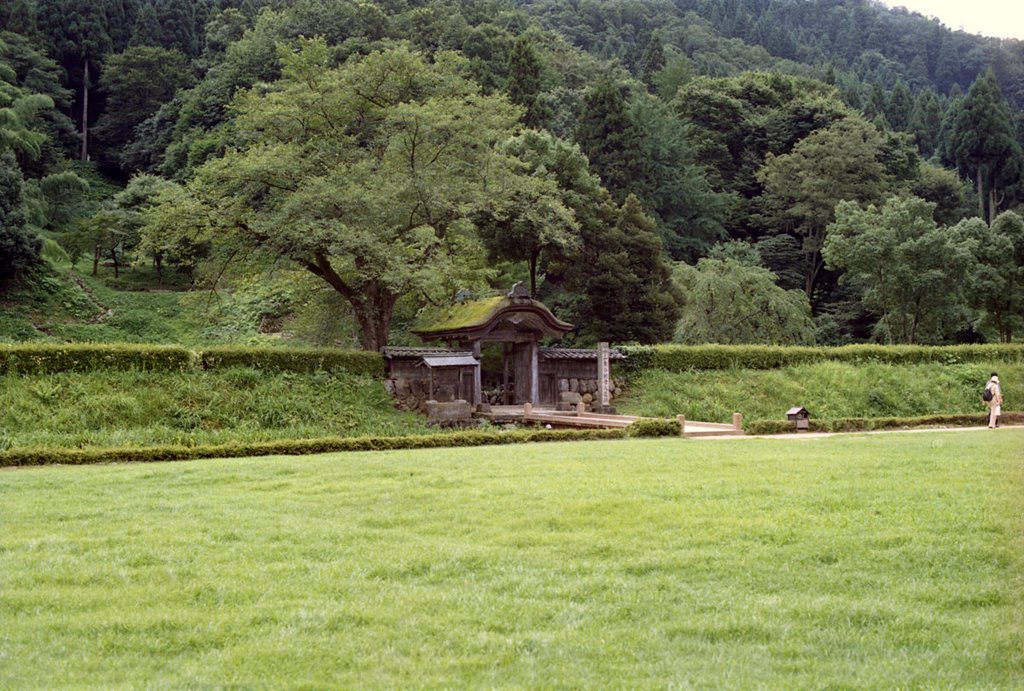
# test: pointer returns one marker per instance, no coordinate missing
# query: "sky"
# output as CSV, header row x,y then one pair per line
x,y
1001,18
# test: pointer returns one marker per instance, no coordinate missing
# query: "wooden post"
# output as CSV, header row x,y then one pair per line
x,y
737,423
534,373
581,408
603,375
527,410
506,395
682,425
477,384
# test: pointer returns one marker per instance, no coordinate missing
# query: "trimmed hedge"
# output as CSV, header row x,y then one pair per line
x,y
862,424
651,427
680,358
294,447
294,360
83,357
76,357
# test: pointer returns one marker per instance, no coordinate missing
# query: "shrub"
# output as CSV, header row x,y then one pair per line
x,y
293,447
82,357
295,360
860,424
679,358
649,427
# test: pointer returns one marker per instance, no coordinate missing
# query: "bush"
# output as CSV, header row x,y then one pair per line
x,y
35,358
293,447
648,427
860,424
78,357
679,358
295,360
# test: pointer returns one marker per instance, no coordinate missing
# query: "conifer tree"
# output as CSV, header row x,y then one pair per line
x,y
984,141
610,140
653,60
524,72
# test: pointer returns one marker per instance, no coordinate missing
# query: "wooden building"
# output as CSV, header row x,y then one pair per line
x,y
527,372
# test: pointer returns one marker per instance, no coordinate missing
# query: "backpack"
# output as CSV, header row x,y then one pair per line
x,y
987,395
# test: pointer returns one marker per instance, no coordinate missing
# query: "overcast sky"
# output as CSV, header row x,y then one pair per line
x,y
1002,18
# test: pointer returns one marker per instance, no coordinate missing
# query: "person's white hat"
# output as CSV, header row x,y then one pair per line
x,y
995,379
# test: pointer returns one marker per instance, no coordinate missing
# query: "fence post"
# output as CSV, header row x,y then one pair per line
x,y
737,423
682,425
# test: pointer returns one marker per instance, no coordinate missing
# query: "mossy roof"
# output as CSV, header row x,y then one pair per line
x,y
480,315
467,314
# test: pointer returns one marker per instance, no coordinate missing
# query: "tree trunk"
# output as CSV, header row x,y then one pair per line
x,y
372,305
95,260
981,195
85,111
158,265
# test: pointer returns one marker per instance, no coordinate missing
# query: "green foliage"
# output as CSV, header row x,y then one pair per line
x,y
80,357
681,358
296,447
801,188
137,82
881,423
626,280
829,389
653,428
729,302
984,142
414,160
19,246
358,363
905,268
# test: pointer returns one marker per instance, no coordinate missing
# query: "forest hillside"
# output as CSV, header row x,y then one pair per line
x,y
338,172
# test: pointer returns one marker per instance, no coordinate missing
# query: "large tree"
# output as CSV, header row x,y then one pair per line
x,y
984,142
907,269
801,188
731,301
366,175
137,82
995,284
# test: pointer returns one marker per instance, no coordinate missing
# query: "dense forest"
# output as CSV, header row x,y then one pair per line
x,y
698,171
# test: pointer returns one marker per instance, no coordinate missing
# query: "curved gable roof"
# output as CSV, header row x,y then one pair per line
x,y
478,319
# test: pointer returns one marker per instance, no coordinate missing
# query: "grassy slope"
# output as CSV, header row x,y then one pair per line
x,y
145,408
874,561
829,390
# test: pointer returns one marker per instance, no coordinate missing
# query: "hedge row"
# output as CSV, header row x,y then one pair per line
x,y
294,447
295,360
679,358
76,357
863,424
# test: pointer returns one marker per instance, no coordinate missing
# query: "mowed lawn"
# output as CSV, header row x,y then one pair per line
x,y
889,560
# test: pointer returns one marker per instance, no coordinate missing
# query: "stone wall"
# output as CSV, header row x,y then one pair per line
x,y
587,388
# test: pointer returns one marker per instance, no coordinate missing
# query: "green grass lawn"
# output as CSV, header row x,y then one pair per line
x,y
875,561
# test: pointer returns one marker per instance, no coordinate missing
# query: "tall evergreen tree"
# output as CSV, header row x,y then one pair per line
x,y
899,107
984,141
19,246
524,72
610,139
653,60
926,122
146,31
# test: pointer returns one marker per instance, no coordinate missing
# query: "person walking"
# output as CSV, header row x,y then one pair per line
x,y
994,400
